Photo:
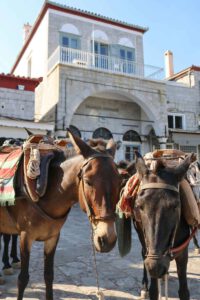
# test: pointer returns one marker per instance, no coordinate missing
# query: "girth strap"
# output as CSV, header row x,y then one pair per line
x,y
159,185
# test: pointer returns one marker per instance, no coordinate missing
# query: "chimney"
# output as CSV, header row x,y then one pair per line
x,y
26,30
169,65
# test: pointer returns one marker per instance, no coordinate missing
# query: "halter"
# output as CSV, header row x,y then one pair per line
x,y
159,185
171,251
89,210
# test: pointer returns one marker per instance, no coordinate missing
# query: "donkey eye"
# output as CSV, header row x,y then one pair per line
x,y
139,206
88,182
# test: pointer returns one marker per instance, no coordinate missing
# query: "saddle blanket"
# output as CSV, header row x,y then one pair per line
x,y
128,195
8,167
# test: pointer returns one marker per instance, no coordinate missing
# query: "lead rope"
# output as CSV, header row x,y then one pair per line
x,y
99,293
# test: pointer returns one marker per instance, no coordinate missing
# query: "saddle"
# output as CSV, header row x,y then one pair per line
x,y
31,161
39,151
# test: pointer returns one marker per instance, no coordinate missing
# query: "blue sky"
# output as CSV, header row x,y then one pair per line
x,y
173,25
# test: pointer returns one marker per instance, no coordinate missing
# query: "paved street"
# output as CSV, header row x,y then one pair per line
x,y
119,278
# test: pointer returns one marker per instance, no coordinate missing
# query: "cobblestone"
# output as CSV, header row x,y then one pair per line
x,y
119,278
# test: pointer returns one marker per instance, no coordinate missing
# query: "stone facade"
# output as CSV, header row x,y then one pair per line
x,y
133,108
17,97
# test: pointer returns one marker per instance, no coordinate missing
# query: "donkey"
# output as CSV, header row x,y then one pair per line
x,y
161,227
90,178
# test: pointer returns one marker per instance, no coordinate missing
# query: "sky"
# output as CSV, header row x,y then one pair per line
x,y
173,25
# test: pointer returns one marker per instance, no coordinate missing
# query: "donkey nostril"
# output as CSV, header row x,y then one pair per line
x,y
101,241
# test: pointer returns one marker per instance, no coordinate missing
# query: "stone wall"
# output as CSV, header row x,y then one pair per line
x,y
17,104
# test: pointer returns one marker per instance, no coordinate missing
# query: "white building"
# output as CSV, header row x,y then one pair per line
x,y
95,80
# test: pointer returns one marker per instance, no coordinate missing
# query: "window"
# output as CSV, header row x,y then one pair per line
x,y
131,136
188,148
70,42
102,133
131,141
176,121
130,152
65,41
101,52
128,55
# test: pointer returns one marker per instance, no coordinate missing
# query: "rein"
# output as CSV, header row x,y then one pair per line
x,y
88,209
174,251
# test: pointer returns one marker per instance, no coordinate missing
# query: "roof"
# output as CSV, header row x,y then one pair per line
x,y
11,81
74,11
184,72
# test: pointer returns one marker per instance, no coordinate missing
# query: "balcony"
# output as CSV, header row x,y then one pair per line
x,y
93,61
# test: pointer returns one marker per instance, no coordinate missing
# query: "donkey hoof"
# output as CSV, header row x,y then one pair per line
x,y
197,250
16,265
144,295
2,281
8,271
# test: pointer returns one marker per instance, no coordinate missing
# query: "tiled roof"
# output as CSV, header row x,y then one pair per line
x,y
11,81
184,72
98,16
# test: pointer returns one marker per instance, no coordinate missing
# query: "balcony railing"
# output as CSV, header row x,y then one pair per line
x,y
104,63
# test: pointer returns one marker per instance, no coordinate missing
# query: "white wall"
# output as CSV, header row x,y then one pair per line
x,y
37,51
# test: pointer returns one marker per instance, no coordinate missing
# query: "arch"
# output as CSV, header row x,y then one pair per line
x,y
75,130
70,28
99,35
126,42
95,92
103,133
131,136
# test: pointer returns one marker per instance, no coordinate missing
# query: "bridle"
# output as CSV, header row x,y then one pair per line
x,y
90,213
171,251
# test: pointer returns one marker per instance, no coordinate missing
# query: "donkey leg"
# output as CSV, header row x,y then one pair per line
x,y
49,252
153,289
7,268
1,277
15,260
181,263
197,247
144,291
145,281
23,278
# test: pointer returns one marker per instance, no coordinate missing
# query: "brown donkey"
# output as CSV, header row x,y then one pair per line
x,y
89,177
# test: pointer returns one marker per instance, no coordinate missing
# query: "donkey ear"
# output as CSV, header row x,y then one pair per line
x,y
131,169
140,165
79,145
181,169
111,147
28,131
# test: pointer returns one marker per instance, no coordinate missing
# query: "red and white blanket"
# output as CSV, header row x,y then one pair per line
x,y
128,195
8,167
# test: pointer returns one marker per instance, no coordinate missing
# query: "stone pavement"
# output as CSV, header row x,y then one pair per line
x,y
119,278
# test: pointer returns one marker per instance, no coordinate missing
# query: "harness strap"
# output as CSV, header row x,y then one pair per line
x,y
159,185
87,208
174,251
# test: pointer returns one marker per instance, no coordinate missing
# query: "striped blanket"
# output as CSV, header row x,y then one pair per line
x,y
8,167
128,195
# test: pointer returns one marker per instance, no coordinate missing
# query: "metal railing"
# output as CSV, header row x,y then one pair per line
x,y
104,63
